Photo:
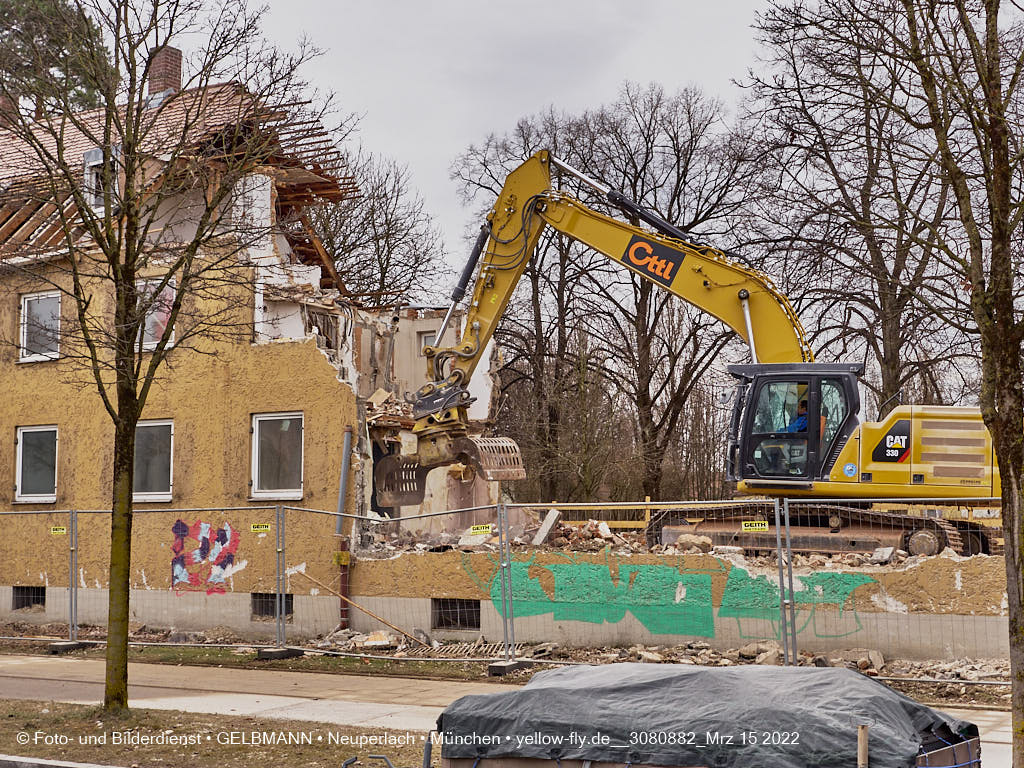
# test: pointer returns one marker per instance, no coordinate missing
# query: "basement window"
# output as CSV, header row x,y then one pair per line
x,y
28,597
454,613
263,604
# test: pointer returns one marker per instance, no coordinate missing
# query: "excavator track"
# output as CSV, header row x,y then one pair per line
x,y
813,528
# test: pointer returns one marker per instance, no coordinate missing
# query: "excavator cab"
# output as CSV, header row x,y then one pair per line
x,y
790,420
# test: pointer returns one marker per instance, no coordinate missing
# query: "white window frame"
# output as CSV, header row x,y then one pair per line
x,y
140,285
36,498
170,479
92,167
421,337
284,494
23,328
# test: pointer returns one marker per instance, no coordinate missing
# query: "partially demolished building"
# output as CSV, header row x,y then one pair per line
x,y
230,431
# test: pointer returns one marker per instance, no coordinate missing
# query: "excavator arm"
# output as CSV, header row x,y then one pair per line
x,y
742,298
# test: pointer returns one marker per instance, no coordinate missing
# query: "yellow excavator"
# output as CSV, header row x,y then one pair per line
x,y
795,430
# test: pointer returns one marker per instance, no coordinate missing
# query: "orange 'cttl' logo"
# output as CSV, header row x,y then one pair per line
x,y
657,261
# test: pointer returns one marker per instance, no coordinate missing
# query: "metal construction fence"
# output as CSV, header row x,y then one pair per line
x,y
918,579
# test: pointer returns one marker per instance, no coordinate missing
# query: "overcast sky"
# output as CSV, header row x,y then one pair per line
x,y
432,77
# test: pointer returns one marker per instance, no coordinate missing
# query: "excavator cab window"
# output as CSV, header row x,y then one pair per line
x,y
779,438
834,409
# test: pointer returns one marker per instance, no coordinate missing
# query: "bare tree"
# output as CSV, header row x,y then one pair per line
x,y
969,73
960,63
544,367
861,206
145,207
675,154
384,242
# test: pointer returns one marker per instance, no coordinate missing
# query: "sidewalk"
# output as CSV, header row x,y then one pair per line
x,y
371,702
379,702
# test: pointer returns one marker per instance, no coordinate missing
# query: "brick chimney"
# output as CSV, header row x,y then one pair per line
x,y
165,71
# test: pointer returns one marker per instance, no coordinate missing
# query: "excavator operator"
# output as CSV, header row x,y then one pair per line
x,y
799,423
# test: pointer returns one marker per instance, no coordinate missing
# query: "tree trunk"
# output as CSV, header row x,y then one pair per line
x,y
115,697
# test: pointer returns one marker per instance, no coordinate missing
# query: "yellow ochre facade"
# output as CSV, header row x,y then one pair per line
x,y
210,394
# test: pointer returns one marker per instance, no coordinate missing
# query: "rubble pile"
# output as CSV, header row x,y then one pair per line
x,y
969,670
869,661
769,652
137,633
598,535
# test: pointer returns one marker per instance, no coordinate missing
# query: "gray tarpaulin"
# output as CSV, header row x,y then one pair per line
x,y
678,715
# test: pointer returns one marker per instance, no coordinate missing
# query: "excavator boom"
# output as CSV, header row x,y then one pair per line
x,y
701,275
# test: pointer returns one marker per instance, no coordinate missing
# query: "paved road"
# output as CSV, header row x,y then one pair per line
x,y
381,702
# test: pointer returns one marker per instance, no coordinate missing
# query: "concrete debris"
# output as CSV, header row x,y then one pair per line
x,y
550,519
700,652
422,636
688,541
726,550
693,652
470,539
882,555
540,651
754,650
971,670
556,534
375,641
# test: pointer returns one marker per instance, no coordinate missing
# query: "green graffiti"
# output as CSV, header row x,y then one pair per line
x,y
663,598
748,597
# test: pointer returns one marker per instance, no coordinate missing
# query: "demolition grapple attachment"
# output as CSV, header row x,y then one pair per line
x,y
402,480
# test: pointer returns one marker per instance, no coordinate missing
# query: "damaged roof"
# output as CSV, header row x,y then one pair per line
x,y
299,155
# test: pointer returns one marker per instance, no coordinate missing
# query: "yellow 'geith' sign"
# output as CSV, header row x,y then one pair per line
x,y
478,530
754,525
260,527
58,530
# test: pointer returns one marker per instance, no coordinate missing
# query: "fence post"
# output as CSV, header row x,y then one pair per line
x,y
783,630
279,606
792,594
499,510
72,575
508,574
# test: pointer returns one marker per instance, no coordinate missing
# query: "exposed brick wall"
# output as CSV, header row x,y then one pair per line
x,y
165,71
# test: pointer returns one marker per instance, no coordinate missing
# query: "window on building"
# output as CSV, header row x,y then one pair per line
x,y
154,460
37,464
277,455
425,339
264,605
454,613
28,597
40,326
92,181
158,311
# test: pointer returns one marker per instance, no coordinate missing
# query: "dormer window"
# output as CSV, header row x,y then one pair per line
x,y
92,183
